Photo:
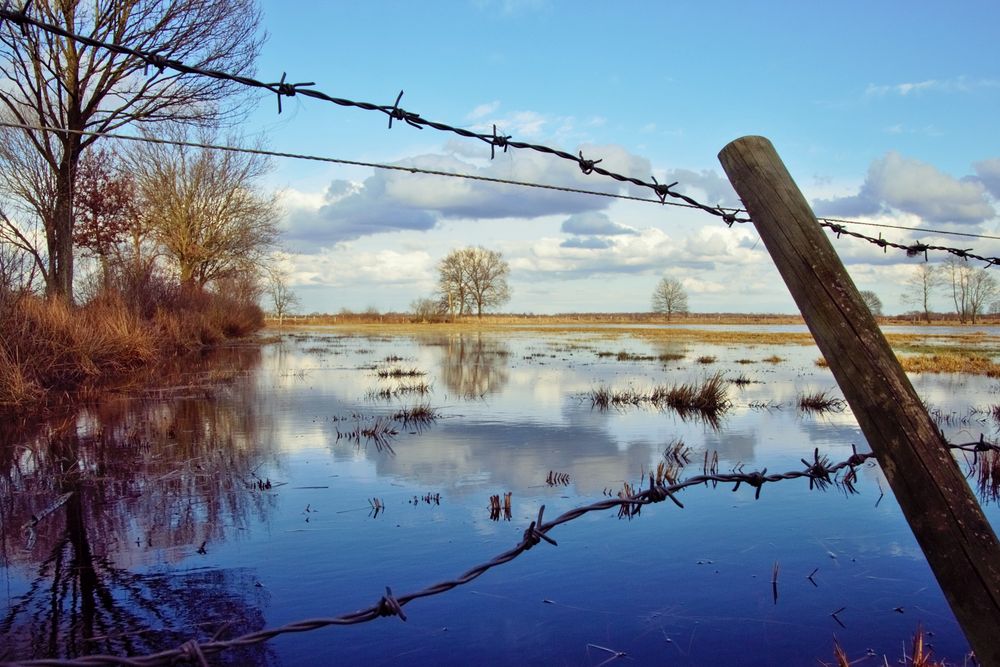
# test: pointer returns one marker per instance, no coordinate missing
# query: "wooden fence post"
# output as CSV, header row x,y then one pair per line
x,y
935,497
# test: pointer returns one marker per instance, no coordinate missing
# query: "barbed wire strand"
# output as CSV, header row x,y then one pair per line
x,y
354,163
435,172
502,141
819,471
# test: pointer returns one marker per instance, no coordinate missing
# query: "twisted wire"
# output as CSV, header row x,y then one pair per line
x,y
495,140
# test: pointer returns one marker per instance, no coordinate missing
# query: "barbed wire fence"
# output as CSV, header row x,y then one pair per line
x,y
821,473
496,140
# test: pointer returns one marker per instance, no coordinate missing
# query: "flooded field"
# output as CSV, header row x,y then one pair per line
x,y
314,473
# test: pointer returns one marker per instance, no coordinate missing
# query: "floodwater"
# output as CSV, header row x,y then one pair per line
x,y
291,487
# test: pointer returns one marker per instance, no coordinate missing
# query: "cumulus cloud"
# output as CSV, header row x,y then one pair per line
x,y
389,201
346,265
649,251
588,242
714,189
904,184
595,223
988,173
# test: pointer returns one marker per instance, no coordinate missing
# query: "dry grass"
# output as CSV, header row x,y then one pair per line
x,y
821,401
950,362
421,414
705,359
397,372
49,348
707,399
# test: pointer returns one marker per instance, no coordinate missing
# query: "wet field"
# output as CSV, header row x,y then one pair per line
x,y
300,479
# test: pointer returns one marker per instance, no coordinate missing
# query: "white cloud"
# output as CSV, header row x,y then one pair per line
x,y
349,265
988,173
594,223
392,201
650,250
483,110
904,184
961,84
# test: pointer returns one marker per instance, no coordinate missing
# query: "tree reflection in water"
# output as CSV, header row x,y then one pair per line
x,y
473,365
151,482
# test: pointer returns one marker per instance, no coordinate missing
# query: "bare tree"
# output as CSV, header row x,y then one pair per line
x,y
872,301
473,279
487,279
203,209
425,309
983,289
452,285
921,286
669,297
972,288
61,83
283,300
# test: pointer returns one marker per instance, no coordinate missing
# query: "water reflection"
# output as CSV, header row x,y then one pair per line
x,y
473,365
146,483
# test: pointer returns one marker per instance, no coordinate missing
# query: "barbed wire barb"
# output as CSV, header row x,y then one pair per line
x,y
395,112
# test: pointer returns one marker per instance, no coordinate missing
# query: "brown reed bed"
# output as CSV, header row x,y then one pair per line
x,y
705,359
773,359
50,350
821,401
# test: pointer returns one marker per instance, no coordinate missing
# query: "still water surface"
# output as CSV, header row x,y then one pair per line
x,y
248,504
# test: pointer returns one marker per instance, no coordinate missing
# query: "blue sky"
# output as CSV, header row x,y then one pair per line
x,y
884,112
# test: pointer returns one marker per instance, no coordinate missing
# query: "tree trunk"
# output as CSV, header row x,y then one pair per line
x,y
59,234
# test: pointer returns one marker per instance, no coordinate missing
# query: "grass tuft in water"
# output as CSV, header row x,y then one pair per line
x,y
821,401
397,372
419,414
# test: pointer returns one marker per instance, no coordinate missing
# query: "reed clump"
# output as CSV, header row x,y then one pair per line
x,y
821,401
51,348
707,398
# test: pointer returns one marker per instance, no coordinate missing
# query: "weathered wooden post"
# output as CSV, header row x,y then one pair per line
x,y
936,500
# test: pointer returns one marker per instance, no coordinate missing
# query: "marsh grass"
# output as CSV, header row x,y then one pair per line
x,y
821,401
389,393
705,359
380,431
398,372
773,359
669,356
421,414
707,399
987,471
742,380
951,362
